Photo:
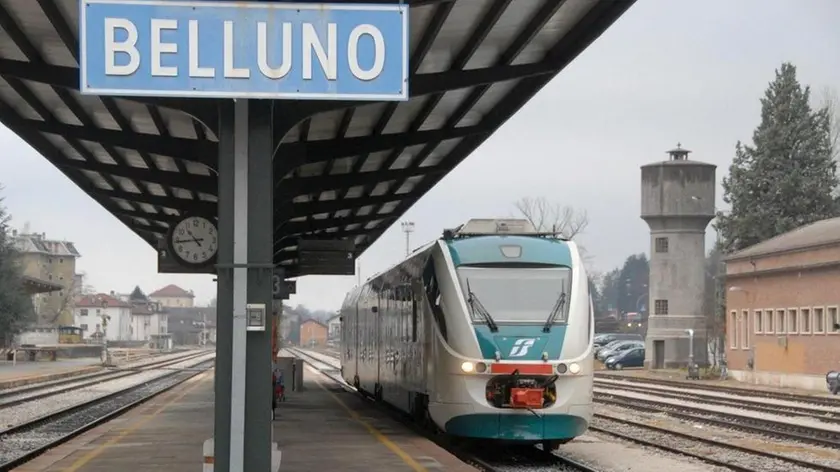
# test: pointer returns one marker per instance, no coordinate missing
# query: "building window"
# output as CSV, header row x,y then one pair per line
x,y
660,307
758,321
793,326
83,312
83,326
745,330
733,329
832,320
805,320
780,321
661,244
768,322
819,320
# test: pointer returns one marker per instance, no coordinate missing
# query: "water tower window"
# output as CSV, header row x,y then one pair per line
x,y
660,307
661,245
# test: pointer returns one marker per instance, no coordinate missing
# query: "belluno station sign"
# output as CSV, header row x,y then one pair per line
x,y
216,49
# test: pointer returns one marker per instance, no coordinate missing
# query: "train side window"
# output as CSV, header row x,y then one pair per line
x,y
413,319
433,293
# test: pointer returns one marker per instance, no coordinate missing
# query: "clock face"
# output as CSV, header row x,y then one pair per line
x,y
195,240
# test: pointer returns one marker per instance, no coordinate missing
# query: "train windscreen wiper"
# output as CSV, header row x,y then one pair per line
x,y
558,307
477,307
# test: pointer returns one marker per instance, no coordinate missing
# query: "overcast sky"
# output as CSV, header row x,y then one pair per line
x,y
669,70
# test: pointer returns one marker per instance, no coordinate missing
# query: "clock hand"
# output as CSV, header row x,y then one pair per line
x,y
194,238
182,241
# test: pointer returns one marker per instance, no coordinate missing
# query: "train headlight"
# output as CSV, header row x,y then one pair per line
x,y
481,367
467,366
561,368
574,368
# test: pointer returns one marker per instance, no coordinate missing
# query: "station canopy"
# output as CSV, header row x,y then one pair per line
x,y
346,172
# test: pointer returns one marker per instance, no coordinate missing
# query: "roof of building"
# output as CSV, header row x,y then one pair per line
x,y
811,235
349,169
312,320
171,291
33,243
35,285
100,300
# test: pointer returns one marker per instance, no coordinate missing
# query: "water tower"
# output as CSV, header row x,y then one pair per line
x,y
678,202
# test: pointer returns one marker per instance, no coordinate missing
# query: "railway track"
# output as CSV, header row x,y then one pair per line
x,y
497,459
744,392
787,431
17,396
821,413
21,443
712,451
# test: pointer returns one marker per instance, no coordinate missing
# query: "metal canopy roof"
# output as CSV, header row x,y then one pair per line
x,y
348,171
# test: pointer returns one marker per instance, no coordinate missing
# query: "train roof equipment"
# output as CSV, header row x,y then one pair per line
x,y
497,227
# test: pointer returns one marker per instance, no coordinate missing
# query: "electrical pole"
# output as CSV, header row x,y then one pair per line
x,y
408,228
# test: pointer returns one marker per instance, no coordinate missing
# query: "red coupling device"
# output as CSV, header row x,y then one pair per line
x,y
526,397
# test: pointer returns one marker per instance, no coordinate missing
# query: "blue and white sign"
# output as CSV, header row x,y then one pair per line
x,y
244,49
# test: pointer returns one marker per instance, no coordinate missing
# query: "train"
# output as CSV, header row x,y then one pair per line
x,y
484,334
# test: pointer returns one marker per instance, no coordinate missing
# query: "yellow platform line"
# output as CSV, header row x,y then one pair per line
x,y
82,461
375,432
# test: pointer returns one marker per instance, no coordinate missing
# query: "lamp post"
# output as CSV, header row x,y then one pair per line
x,y
693,371
105,318
408,228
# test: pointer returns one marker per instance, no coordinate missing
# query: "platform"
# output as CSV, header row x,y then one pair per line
x,y
14,374
321,427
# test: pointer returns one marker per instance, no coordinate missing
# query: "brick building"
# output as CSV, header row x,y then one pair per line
x,y
313,333
782,304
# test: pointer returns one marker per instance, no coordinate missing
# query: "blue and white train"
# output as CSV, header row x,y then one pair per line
x,y
487,333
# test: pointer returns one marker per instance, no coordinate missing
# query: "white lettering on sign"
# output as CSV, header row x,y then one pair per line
x,y
195,69
231,72
112,47
262,52
379,52
159,48
312,48
312,45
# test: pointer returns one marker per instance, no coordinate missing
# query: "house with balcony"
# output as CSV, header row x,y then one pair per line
x,y
101,316
149,319
49,275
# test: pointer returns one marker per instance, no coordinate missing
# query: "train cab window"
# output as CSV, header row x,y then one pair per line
x,y
433,293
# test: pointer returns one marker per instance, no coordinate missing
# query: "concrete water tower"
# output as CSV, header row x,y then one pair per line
x,y
678,202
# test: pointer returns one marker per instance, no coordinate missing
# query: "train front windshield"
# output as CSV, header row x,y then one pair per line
x,y
516,294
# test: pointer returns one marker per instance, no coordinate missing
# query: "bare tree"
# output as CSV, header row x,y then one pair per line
x,y
66,300
547,217
558,220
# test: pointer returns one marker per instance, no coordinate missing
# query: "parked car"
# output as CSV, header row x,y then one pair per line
x,y
615,347
609,338
630,358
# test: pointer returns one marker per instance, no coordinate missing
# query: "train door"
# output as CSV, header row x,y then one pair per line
x,y
377,335
355,337
386,345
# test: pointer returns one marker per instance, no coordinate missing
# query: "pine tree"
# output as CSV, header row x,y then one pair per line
x,y
785,180
15,306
